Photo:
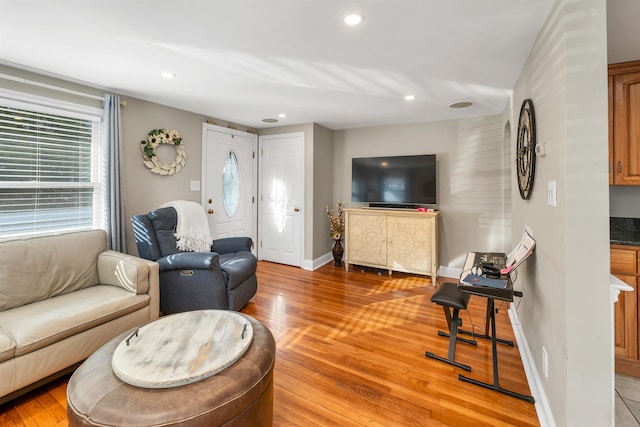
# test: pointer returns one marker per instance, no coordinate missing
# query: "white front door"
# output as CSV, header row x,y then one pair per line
x,y
228,177
281,198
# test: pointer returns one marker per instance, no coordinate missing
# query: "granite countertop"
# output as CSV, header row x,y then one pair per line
x,y
624,231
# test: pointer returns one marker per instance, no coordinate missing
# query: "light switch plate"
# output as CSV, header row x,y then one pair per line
x,y
552,197
195,185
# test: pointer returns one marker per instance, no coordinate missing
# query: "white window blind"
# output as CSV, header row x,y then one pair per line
x,y
51,179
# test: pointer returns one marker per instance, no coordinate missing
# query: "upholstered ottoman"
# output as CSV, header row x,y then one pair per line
x,y
240,395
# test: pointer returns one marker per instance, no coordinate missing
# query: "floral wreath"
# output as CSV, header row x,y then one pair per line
x,y
149,146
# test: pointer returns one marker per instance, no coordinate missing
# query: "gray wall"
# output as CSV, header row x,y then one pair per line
x,y
471,177
143,190
624,201
322,189
566,304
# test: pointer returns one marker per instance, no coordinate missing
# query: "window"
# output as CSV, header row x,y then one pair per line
x,y
51,173
231,184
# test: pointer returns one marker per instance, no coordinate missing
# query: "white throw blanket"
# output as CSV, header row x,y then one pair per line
x,y
192,229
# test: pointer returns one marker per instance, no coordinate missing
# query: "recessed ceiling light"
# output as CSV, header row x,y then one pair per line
x,y
282,115
409,97
167,75
269,120
461,104
353,19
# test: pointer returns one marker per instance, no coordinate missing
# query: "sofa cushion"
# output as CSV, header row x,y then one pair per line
x,y
7,346
43,267
236,267
164,222
41,323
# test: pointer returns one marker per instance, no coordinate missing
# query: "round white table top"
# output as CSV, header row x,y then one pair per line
x,y
182,348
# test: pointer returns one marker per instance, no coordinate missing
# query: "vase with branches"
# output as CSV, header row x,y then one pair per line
x,y
336,227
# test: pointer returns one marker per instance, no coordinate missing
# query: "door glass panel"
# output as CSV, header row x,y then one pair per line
x,y
231,184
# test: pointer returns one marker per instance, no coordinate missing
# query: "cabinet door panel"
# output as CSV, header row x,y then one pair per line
x,y
409,243
626,320
623,261
626,116
366,239
611,159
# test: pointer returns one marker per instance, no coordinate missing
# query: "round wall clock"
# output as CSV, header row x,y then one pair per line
x,y
526,149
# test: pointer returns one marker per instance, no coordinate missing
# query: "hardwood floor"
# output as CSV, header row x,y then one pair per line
x,y
350,352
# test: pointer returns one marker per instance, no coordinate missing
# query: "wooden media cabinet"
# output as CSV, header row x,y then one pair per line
x,y
395,240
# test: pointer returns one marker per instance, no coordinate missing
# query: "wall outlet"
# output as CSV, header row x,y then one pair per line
x,y
545,363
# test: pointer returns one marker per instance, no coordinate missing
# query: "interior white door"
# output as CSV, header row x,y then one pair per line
x,y
229,181
281,198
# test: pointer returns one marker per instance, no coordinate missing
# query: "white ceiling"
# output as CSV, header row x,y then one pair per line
x,y
245,60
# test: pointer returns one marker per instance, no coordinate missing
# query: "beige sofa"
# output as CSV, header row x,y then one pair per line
x,y
61,298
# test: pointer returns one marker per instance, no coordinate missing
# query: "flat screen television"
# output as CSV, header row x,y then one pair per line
x,y
394,181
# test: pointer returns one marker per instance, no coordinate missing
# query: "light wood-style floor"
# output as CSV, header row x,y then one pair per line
x,y
350,352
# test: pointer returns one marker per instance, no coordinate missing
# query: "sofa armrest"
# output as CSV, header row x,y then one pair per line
x,y
190,260
134,274
228,245
125,271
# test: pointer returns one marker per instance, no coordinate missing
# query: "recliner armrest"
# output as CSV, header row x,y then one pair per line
x,y
231,244
190,260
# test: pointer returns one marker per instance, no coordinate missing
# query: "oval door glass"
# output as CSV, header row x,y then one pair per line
x,y
231,184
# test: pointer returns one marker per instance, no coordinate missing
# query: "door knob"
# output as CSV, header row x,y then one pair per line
x,y
210,211
296,209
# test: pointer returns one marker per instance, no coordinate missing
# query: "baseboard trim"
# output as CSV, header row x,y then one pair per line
x,y
307,264
450,272
318,262
543,409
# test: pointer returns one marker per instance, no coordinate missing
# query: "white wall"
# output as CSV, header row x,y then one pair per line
x,y
566,307
471,177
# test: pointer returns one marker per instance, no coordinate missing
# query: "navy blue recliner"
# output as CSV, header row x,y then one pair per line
x,y
224,278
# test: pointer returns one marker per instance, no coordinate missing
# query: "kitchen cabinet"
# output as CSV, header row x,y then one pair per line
x,y
396,240
624,123
625,262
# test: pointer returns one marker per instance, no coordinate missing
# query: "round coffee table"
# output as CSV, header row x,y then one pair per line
x,y
240,394
182,348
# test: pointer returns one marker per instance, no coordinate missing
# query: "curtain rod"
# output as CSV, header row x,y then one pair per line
x,y
48,86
